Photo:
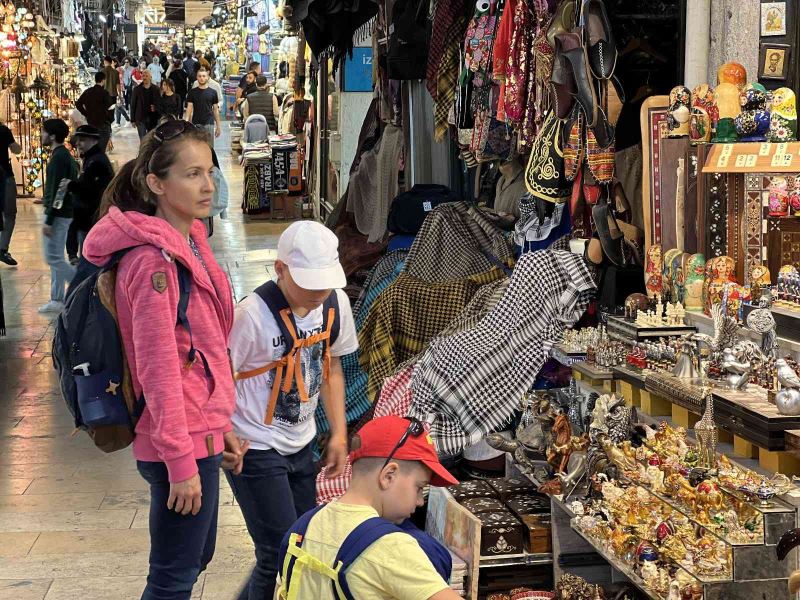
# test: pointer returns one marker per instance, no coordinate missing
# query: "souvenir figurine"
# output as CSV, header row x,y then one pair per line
x,y
753,123
680,100
723,269
694,276
759,279
734,73
783,120
778,197
653,274
668,273
794,202
728,103
699,126
703,98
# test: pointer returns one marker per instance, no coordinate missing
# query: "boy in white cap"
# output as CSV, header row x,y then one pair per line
x,y
286,344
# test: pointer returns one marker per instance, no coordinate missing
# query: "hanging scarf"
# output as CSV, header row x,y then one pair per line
x,y
518,63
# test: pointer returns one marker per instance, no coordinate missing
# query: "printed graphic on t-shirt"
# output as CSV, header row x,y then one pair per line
x,y
289,409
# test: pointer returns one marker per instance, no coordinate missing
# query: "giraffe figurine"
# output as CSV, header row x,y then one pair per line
x,y
706,432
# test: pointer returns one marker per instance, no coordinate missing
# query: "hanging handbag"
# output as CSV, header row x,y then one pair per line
x,y
544,175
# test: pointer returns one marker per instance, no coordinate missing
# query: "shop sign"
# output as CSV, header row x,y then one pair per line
x,y
358,71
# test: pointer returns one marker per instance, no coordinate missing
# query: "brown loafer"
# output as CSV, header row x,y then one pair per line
x,y
571,47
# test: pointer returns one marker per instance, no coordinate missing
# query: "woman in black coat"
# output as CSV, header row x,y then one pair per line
x,y
170,103
144,104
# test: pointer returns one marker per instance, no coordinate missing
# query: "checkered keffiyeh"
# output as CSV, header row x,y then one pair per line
x,y
382,269
395,399
453,243
406,316
469,384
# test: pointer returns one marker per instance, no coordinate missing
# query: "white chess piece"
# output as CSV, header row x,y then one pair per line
x,y
680,315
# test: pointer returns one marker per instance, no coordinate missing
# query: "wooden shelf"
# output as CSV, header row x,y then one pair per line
x,y
753,157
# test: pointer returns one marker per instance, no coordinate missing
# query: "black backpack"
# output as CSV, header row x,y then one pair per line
x,y
90,359
409,209
409,34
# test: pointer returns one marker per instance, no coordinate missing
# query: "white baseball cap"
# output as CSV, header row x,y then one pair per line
x,y
310,250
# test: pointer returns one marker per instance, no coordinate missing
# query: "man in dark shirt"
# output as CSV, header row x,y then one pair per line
x,y
202,107
88,189
241,92
8,193
94,104
111,84
144,104
181,81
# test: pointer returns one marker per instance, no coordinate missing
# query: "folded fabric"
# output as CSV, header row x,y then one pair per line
x,y
469,384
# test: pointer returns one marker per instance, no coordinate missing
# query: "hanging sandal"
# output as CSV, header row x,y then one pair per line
x,y
598,39
612,247
573,148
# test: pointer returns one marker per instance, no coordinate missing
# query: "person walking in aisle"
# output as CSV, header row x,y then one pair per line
x,y
144,105
180,80
275,407
87,190
202,106
111,82
190,66
8,193
241,92
214,85
95,104
127,81
169,105
153,209
156,70
262,102
57,210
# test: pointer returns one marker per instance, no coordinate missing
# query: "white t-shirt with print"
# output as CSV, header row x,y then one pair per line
x,y
256,341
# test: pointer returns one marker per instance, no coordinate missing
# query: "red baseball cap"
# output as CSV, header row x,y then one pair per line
x,y
380,436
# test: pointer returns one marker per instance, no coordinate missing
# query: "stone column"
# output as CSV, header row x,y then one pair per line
x,y
735,29
698,38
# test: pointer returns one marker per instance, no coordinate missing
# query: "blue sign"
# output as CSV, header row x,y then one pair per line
x,y
358,71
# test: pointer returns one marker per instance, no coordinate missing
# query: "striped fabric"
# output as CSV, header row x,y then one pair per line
x,y
445,13
573,149
601,160
447,78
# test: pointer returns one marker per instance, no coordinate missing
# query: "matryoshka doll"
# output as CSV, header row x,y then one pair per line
x,y
732,72
753,123
723,272
704,115
669,274
759,279
778,197
783,120
694,276
728,103
652,275
679,114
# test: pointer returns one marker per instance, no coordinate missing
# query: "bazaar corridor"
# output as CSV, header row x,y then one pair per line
x,y
73,521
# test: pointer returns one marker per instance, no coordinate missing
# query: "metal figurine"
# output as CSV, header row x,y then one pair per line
x,y
706,432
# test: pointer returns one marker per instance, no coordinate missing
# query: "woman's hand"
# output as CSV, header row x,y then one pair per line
x,y
184,496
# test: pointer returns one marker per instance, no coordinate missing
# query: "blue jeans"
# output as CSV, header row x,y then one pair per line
x,y
9,210
272,491
61,272
180,546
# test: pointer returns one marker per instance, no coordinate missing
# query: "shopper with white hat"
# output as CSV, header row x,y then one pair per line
x,y
286,344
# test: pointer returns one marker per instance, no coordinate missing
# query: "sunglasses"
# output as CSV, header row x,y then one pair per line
x,y
415,429
168,130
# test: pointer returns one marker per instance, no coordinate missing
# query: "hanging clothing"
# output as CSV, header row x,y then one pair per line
x,y
465,236
518,65
470,383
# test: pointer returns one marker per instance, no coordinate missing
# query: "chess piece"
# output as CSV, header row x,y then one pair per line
x,y
694,278
653,274
679,113
728,103
783,119
778,197
733,73
753,122
680,315
659,312
670,314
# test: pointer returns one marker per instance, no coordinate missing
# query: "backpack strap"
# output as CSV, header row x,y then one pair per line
x,y
185,288
361,538
438,555
291,550
331,325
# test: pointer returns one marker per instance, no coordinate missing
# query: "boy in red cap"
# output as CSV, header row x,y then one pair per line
x,y
360,545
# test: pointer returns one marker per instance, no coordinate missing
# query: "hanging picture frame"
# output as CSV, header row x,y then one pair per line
x,y
773,19
774,61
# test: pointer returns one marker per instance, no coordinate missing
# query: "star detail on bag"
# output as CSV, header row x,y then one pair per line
x,y
112,387
159,279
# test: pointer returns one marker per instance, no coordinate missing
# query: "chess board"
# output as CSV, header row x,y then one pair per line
x,y
782,244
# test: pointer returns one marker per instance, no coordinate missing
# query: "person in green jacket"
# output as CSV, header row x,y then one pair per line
x,y
57,211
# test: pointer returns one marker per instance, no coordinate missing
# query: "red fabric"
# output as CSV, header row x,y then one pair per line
x,y
183,405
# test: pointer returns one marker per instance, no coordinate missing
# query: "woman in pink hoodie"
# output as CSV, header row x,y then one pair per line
x,y
152,210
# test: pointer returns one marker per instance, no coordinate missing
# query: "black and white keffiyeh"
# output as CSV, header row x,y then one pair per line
x,y
468,384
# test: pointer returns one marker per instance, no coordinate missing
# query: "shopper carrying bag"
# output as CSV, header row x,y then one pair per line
x,y
151,215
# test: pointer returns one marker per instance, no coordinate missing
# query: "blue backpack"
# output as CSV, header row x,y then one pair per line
x,y
293,559
88,354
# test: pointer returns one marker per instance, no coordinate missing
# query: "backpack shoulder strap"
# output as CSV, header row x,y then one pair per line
x,y
185,289
273,297
361,538
294,538
330,316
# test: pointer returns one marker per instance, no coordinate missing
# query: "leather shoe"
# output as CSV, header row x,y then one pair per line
x,y
571,47
562,81
598,39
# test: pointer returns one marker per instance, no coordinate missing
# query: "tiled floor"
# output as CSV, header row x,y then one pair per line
x,y
73,521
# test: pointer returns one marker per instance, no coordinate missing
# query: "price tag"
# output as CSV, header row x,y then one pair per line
x,y
764,149
787,160
726,149
741,160
751,161
777,160
781,148
722,161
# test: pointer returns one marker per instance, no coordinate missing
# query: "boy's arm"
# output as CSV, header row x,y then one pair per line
x,y
332,394
447,594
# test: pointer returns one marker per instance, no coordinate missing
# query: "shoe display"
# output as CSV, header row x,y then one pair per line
x,y
571,47
562,81
52,306
598,39
5,257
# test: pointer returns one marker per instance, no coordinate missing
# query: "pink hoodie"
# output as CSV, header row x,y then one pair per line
x,y
183,406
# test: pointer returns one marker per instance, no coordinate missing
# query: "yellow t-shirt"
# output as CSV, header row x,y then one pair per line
x,y
394,567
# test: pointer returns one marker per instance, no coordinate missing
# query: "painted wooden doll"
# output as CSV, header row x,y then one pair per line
x,y
653,276
695,275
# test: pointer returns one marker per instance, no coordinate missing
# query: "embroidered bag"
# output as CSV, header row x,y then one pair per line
x,y
544,175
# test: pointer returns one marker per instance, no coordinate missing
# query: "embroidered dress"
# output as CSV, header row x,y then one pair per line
x,y
518,63
470,383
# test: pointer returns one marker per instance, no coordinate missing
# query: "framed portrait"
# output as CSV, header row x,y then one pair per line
x,y
774,61
773,19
